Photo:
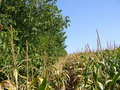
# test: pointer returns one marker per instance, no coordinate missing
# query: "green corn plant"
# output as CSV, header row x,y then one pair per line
x,y
111,83
42,84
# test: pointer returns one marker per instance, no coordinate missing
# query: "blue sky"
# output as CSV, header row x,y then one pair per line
x,y
88,15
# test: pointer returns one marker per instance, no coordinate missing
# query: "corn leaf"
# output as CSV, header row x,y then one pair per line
x,y
43,85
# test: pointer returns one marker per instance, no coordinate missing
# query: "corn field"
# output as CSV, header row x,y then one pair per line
x,y
88,70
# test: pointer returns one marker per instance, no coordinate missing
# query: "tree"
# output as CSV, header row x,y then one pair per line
x,y
38,21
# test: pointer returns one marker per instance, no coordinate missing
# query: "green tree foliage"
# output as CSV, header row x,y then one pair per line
x,y
38,21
